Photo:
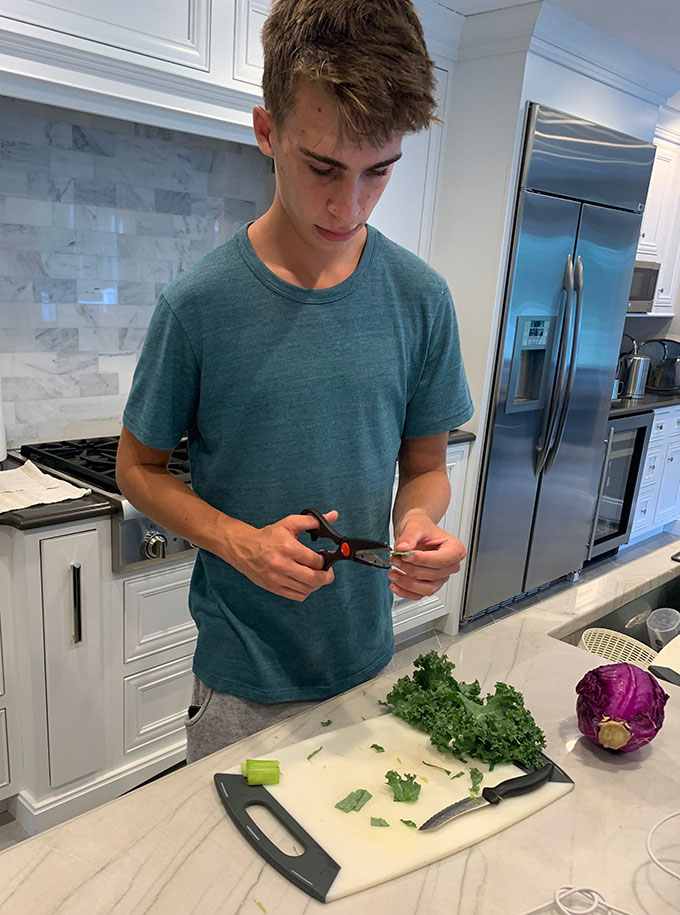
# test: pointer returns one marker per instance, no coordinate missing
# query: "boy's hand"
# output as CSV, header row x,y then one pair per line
x,y
436,556
274,559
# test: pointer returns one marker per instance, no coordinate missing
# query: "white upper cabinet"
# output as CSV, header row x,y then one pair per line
x,y
659,206
177,31
660,231
248,58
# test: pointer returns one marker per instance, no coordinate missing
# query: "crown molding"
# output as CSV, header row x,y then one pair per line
x,y
545,30
575,44
442,28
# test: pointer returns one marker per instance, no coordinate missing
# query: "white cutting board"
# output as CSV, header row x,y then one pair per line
x,y
669,656
368,855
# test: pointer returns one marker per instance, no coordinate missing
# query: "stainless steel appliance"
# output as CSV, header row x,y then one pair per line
x,y
635,378
625,453
136,541
643,287
581,195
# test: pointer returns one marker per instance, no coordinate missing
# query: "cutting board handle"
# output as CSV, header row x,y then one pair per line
x,y
313,871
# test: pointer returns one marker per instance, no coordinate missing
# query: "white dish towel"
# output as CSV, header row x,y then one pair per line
x,y
29,486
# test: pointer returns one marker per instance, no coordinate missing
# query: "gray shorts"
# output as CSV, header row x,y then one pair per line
x,y
216,720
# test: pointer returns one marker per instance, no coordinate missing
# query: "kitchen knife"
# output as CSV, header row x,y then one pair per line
x,y
512,787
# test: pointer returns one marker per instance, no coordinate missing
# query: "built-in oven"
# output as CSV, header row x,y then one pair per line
x,y
643,287
625,452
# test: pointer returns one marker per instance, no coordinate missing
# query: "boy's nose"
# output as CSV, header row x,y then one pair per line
x,y
345,206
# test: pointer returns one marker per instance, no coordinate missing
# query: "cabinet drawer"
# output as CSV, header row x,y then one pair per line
x,y
673,422
644,509
156,613
4,750
651,472
156,702
660,424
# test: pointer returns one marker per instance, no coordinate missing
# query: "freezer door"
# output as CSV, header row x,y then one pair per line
x,y
544,239
607,242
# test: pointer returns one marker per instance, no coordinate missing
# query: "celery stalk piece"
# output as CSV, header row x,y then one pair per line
x,y
262,771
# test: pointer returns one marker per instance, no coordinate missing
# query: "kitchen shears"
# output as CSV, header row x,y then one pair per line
x,y
367,552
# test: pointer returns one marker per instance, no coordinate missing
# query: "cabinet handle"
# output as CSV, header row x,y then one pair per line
x,y
77,604
652,468
660,290
643,235
670,460
643,511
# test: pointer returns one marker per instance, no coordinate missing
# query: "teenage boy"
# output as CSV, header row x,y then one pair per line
x,y
303,358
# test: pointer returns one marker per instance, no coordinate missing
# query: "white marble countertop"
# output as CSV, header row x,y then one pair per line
x,y
169,847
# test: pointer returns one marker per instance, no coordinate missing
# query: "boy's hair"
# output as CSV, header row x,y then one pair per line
x,y
369,54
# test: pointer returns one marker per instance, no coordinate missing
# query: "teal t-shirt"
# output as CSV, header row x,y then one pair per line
x,y
294,398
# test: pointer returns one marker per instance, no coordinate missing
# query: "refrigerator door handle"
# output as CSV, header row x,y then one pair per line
x,y
609,441
547,434
576,339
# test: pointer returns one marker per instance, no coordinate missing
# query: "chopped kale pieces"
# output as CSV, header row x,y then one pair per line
x,y
476,777
315,752
355,800
324,724
377,748
458,774
409,823
378,821
495,729
405,789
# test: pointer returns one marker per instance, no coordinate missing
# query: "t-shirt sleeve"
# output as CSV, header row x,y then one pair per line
x,y
164,394
442,399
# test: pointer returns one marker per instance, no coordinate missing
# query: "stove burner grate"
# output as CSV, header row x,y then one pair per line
x,y
93,460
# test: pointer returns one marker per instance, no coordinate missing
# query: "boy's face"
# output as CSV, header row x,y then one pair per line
x,y
328,189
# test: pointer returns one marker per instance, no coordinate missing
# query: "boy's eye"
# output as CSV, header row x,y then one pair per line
x,y
321,171
379,173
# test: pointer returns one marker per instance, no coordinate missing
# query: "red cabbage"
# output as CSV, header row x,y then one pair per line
x,y
620,706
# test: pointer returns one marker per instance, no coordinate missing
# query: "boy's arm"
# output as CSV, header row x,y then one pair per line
x,y
422,499
272,557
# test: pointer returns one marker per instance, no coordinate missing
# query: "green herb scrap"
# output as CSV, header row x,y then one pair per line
x,y
432,766
405,789
355,800
377,748
458,774
495,729
378,821
315,752
324,724
409,823
476,778
259,905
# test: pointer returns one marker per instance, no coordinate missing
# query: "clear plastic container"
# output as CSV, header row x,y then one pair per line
x,y
662,625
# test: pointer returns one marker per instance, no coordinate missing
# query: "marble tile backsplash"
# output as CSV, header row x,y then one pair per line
x,y
97,216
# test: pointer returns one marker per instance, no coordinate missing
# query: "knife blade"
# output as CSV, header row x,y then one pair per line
x,y
511,787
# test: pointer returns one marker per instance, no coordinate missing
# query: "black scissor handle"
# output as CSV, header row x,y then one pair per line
x,y
325,529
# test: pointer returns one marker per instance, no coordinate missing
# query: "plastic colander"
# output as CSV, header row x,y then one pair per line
x,y
616,647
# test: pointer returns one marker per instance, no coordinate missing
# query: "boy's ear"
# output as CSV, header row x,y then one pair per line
x,y
263,127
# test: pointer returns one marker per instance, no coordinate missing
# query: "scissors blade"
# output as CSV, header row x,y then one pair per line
x,y
373,558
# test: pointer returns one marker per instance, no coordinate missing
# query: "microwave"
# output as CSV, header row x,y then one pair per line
x,y
643,287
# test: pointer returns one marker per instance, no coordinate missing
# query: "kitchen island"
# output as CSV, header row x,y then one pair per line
x,y
169,847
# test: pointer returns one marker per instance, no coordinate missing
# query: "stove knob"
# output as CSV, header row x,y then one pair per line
x,y
154,546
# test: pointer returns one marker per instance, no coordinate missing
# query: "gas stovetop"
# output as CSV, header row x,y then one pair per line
x,y
93,460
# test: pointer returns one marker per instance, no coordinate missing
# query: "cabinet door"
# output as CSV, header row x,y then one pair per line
x,y
668,502
177,31
405,212
660,205
644,510
73,655
4,751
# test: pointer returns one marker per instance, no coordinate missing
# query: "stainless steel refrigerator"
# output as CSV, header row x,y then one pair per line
x,y
580,200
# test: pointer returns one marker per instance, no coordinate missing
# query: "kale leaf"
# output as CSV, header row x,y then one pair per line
x,y
405,789
494,729
355,800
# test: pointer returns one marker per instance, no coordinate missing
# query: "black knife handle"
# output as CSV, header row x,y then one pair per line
x,y
313,871
523,784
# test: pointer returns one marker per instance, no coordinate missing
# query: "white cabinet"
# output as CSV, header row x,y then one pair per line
x,y
658,501
660,231
406,210
411,614
177,31
10,733
73,655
